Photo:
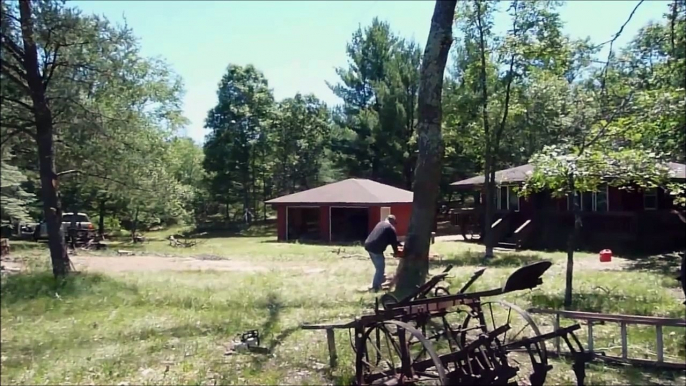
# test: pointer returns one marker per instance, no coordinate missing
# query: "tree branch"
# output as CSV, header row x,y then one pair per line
x,y
13,49
52,65
19,129
18,102
612,42
8,69
76,171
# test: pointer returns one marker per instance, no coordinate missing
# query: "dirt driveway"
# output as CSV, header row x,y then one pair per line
x,y
147,263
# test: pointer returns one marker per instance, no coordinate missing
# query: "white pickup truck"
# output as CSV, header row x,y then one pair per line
x,y
84,227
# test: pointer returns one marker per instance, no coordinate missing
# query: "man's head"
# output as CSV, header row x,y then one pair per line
x,y
391,220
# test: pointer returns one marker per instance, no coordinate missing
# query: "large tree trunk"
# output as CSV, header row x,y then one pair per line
x,y
489,185
571,244
415,265
488,156
46,146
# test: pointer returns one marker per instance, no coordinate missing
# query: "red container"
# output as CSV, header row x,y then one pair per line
x,y
605,256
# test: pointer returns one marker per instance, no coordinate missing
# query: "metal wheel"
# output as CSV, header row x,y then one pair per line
x,y
397,353
492,315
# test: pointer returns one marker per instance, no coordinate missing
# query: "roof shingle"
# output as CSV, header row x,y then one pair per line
x,y
521,173
350,191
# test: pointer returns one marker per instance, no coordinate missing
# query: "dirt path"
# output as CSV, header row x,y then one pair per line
x,y
159,263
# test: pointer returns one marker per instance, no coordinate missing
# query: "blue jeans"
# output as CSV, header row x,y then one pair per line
x,y
379,265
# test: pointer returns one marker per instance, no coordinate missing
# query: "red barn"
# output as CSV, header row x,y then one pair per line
x,y
341,211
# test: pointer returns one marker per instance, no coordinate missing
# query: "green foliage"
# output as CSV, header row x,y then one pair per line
x,y
301,134
118,113
13,198
374,136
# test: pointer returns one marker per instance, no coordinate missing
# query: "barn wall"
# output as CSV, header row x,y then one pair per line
x,y
324,225
281,225
374,217
402,214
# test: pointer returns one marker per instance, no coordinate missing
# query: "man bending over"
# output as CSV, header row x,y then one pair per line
x,y
378,240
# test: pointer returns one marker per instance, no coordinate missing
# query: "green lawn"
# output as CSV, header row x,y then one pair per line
x,y
172,327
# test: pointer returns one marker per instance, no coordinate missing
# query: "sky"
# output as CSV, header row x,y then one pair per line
x,y
298,44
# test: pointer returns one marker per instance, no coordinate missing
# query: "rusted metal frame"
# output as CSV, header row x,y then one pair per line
x,y
616,318
484,339
359,365
441,303
623,321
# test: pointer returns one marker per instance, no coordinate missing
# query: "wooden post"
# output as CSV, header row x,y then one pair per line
x,y
556,326
623,332
660,350
331,340
590,336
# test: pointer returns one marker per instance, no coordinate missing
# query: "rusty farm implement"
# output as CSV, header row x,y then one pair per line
x,y
435,337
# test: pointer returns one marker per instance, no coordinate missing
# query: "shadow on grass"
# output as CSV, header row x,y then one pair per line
x,y
274,306
25,245
35,285
599,302
627,375
333,244
471,258
667,264
256,229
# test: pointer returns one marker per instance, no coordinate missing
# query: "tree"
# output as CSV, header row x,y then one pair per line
x,y
502,69
599,116
13,198
27,33
376,122
239,131
79,88
415,266
301,135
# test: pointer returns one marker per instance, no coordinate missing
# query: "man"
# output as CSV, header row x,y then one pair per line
x,y
378,240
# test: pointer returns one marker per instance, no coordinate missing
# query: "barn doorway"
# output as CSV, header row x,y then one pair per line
x,y
349,224
303,224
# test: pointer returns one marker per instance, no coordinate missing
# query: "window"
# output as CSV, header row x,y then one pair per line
x,y
513,199
507,198
650,199
591,201
601,204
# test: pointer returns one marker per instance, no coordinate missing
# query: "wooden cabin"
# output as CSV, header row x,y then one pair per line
x,y
626,219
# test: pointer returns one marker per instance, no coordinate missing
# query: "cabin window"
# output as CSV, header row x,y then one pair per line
x,y
512,199
501,198
507,198
577,201
650,199
591,201
601,202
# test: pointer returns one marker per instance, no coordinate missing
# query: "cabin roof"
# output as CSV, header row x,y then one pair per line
x,y
350,191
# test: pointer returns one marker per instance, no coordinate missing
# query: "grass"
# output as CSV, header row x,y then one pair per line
x,y
173,327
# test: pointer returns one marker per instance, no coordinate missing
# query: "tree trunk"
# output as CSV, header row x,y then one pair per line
x,y
51,204
101,221
489,156
46,147
489,184
415,267
571,244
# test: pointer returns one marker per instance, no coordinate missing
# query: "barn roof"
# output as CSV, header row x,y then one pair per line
x,y
520,174
350,191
